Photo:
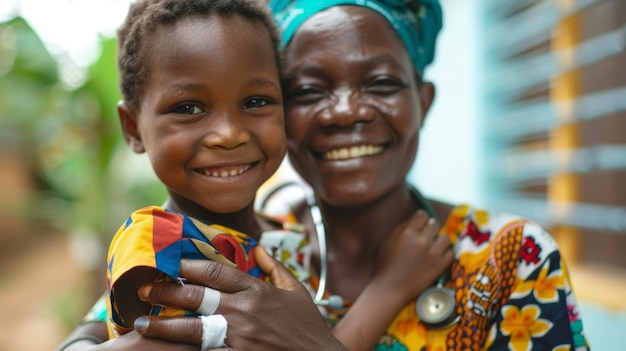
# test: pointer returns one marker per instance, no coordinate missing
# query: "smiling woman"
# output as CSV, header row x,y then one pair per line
x,y
372,82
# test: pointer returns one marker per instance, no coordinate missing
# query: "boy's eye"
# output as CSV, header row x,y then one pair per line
x,y
255,103
188,109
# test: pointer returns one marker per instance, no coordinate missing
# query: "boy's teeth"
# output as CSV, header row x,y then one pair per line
x,y
352,152
230,172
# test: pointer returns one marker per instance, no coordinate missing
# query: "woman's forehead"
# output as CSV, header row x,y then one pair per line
x,y
348,31
345,20
351,25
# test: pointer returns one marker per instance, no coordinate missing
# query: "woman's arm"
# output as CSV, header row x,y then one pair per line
x,y
283,316
261,316
85,337
90,337
411,260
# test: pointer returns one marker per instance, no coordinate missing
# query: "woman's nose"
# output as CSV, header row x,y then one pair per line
x,y
346,108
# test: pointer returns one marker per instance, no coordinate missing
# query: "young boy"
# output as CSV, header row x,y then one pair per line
x,y
202,98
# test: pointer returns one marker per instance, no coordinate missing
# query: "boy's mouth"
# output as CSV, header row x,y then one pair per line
x,y
225,172
345,153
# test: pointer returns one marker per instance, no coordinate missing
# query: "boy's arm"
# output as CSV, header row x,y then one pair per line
x,y
409,262
369,317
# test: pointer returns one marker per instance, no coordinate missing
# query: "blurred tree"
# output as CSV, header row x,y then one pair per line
x,y
87,180
28,89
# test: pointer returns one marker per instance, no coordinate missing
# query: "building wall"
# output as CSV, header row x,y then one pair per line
x,y
555,143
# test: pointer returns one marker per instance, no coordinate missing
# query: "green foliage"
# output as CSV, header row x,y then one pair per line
x,y
70,138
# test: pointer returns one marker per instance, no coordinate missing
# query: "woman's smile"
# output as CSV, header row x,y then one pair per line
x,y
355,151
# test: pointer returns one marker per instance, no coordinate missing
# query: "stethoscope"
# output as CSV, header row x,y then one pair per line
x,y
435,306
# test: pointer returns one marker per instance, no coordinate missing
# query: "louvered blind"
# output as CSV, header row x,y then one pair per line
x,y
555,119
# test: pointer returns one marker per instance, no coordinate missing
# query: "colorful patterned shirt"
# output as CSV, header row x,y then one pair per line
x,y
158,238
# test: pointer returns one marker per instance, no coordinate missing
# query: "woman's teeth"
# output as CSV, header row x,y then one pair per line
x,y
352,152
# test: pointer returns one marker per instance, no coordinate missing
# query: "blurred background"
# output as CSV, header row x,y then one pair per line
x,y
530,118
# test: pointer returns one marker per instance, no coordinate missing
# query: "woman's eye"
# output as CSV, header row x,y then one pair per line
x,y
385,86
187,109
255,103
305,94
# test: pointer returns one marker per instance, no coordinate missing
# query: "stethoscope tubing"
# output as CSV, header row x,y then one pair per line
x,y
431,299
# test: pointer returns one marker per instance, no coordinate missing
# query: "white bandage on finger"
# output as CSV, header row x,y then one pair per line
x,y
214,329
210,302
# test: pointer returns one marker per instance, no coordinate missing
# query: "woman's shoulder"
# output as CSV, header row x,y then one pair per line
x,y
474,231
460,219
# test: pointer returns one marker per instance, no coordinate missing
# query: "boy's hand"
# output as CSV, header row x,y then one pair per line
x,y
413,257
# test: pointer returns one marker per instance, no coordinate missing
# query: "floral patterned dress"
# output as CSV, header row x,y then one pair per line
x,y
512,291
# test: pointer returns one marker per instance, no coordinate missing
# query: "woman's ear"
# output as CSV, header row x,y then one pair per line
x,y
427,96
130,130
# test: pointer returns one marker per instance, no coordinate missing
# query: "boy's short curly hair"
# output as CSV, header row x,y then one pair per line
x,y
145,16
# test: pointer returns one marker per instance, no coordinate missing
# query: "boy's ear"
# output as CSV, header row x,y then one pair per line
x,y
128,121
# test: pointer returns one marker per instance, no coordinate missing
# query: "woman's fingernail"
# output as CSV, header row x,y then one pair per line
x,y
142,323
144,292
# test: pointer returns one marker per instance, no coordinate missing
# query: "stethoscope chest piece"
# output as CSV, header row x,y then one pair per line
x,y
435,307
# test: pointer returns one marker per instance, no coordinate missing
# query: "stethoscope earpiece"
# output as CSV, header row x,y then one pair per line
x,y
334,302
435,307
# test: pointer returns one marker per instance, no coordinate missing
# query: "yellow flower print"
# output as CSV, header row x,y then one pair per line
x,y
545,287
482,217
565,274
523,325
562,348
455,222
491,337
474,261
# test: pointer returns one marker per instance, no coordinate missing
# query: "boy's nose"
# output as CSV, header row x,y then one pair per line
x,y
226,132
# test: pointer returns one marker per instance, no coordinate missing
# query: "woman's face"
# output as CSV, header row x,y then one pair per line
x,y
353,106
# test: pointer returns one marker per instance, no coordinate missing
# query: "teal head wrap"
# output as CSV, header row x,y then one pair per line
x,y
416,25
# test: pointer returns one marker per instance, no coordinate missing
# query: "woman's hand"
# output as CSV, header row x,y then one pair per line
x,y
260,316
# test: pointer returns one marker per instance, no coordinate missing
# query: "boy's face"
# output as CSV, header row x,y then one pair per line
x,y
211,114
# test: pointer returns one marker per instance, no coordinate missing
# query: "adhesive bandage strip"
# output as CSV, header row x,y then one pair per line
x,y
214,329
210,302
